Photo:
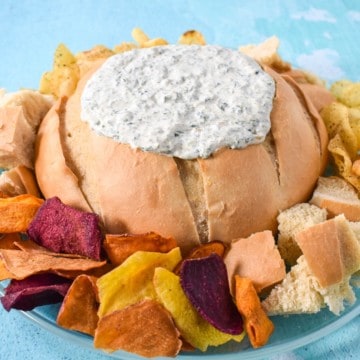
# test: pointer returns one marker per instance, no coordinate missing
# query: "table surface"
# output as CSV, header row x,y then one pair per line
x,y
319,36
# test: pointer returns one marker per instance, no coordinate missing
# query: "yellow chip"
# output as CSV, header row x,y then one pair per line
x,y
193,328
124,46
139,36
339,89
154,42
351,95
343,161
85,60
63,78
192,37
354,120
131,281
337,121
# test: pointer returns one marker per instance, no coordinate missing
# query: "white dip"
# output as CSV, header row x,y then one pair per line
x,y
180,100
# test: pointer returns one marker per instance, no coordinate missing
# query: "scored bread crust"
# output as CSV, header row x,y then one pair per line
x,y
231,194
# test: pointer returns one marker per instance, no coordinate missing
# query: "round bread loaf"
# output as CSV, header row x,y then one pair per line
x,y
231,194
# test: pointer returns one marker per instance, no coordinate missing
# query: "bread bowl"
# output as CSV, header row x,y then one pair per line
x,y
230,194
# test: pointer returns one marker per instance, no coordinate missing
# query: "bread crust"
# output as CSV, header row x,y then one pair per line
x,y
134,191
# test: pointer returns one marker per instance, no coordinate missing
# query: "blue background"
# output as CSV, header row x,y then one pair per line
x,y
320,36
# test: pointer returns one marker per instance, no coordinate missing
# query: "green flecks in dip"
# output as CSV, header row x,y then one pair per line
x,y
178,100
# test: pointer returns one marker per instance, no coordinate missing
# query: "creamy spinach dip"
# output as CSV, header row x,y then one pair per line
x,y
179,100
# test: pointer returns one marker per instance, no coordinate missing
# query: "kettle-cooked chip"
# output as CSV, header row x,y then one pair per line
x,y
145,328
337,121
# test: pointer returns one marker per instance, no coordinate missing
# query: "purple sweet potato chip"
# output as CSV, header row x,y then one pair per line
x,y
36,290
205,283
64,229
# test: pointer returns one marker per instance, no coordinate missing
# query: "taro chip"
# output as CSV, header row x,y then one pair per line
x,y
36,290
193,328
120,247
205,283
79,309
64,229
145,328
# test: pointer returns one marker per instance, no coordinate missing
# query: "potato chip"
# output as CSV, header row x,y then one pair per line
x,y
144,328
22,264
131,281
62,228
354,120
63,78
80,305
205,283
16,213
154,42
347,92
120,247
124,46
192,37
343,161
204,250
193,328
257,324
139,36
36,290
85,60
336,118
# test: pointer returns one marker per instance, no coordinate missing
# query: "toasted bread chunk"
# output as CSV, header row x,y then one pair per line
x,y
301,293
292,221
256,258
20,115
331,249
337,196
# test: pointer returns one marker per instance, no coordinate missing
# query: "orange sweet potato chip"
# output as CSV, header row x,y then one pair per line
x,y
145,328
4,272
257,324
17,212
8,241
23,264
120,247
79,308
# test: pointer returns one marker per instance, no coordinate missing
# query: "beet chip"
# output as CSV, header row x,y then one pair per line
x,y
61,228
36,290
205,283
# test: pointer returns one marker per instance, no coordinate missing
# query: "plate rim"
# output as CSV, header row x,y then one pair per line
x,y
86,341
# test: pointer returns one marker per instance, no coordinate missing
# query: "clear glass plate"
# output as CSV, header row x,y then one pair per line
x,y
290,333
